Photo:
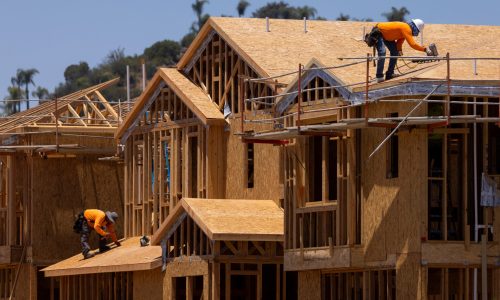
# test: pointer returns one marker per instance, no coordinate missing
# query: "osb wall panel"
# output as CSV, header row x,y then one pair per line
x,y
309,285
106,141
26,283
148,284
61,189
266,166
392,210
409,277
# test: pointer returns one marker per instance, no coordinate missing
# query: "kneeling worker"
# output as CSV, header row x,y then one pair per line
x,y
99,221
393,34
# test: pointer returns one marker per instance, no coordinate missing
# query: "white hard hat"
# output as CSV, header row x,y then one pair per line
x,y
419,23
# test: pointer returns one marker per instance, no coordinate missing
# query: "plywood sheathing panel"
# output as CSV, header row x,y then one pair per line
x,y
328,40
129,257
309,285
148,284
229,219
386,200
63,188
196,99
267,170
409,276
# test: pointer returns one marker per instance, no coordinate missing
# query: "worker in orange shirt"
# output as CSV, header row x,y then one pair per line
x,y
393,34
99,221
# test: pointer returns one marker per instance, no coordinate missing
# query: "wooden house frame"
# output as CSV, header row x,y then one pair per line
x,y
166,157
223,249
320,141
49,172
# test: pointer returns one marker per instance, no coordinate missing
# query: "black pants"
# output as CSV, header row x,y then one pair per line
x,y
84,239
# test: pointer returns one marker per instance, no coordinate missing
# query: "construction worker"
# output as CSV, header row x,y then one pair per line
x,y
99,221
393,34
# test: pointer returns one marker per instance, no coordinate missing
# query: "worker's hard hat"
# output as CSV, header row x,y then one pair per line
x,y
112,216
419,23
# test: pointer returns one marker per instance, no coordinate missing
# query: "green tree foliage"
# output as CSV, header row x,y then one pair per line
x,y
41,93
396,14
282,10
27,80
197,7
73,72
163,53
343,17
242,7
10,107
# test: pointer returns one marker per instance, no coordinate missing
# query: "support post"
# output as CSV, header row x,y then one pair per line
x,y
301,238
448,82
143,74
128,88
299,97
367,86
242,103
484,266
57,126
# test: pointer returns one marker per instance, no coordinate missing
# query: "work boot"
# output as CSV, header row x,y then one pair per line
x,y
103,248
380,79
392,76
88,255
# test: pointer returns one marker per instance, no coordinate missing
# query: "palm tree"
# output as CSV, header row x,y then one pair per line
x,y
396,14
242,6
197,6
10,107
306,12
16,83
27,79
41,93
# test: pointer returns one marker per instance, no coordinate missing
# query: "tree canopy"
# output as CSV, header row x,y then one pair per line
x,y
396,14
282,10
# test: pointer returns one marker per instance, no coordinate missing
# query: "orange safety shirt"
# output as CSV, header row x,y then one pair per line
x,y
97,219
399,32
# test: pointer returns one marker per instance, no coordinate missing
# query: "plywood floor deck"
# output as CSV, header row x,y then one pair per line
x,y
129,257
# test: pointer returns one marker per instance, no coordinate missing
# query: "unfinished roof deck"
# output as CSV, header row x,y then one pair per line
x,y
129,257
228,219
331,40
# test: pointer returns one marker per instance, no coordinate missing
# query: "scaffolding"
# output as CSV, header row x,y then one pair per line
x,y
281,132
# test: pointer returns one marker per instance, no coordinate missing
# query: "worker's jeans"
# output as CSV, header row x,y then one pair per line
x,y
84,239
393,50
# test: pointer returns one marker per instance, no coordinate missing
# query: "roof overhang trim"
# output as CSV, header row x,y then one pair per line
x,y
200,50
131,128
401,89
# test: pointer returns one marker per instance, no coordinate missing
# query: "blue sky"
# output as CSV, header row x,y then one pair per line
x,y
51,34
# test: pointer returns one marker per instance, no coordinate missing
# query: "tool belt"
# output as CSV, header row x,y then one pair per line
x,y
372,37
78,225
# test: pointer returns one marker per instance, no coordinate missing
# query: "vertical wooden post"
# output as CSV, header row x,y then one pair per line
x,y
367,86
189,288
301,237
242,103
57,126
484,265
259,282
228,280
299,96
448,82
11,202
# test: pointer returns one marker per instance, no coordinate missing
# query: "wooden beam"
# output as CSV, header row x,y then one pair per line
x,y
105,102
